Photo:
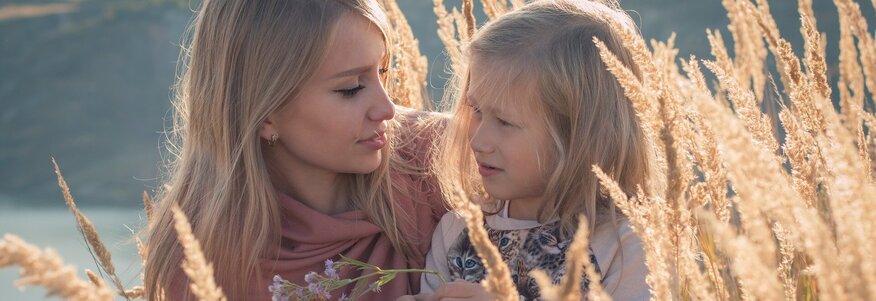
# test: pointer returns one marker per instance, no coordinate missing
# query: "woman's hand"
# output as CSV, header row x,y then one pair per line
x,y
461,291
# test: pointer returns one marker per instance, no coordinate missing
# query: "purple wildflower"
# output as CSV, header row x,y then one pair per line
x,y
276,289
319,291
330,270
344,298
310,277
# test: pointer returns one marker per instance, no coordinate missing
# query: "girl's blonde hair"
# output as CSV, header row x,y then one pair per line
x,y
245,60
548,47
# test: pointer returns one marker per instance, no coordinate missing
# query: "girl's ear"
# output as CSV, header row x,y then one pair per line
x,y
268,130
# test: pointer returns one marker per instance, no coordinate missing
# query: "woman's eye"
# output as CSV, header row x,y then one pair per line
x,y
350,92
504,123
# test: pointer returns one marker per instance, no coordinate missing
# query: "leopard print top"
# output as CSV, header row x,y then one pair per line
x,y
523,250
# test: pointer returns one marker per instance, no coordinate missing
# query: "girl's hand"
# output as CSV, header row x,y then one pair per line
x,y
461,291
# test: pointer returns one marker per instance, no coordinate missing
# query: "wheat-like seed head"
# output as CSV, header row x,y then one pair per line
x,y
746,107
195,266
44,268
147,206
498,278
89,232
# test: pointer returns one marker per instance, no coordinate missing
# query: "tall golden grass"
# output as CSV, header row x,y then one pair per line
x,y
738,212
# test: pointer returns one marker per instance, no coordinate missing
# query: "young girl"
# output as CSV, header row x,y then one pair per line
x,y
287,151
536,110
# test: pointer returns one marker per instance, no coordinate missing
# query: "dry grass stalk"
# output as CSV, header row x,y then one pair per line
x,y
852,211
498,278
665,55
595,291
795,82
754,273
799,147
761,17
147,205
705,150
786,273
746,107
468,11
138,292
577,261
448,29
864,140
863,147
93,278
409,80
722,58
748,47
45,268
89,232
641,94
851,77
815,61
644,59
196,267
495,8
749,168
633,89
823,253
804,7
646,222
851,11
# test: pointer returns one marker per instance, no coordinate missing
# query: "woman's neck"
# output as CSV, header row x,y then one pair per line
x,y
322,190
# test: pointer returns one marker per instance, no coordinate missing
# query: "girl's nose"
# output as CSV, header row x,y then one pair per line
x,y
479,143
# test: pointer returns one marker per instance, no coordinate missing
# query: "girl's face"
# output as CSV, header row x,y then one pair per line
x,y
510,142
336,123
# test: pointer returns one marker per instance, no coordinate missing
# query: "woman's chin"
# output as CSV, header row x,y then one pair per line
x,y
366,165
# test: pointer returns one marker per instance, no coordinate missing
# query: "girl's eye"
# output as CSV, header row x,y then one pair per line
x,y
504,123
350,92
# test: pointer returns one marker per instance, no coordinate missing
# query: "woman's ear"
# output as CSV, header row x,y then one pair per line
x,y
267,130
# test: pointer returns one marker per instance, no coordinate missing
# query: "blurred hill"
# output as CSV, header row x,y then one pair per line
x,y
88,82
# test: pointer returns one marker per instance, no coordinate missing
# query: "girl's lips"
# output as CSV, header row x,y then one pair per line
x,y
377,141
486,170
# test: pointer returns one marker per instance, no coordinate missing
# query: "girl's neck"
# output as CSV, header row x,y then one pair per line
x,y
525,208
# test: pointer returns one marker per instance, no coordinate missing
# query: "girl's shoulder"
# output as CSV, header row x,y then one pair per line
x,y
621,257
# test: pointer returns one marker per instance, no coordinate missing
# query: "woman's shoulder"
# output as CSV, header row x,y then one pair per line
x,y
416,134
416,127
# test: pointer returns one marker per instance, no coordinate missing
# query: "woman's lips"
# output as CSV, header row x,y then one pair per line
x,y
376,141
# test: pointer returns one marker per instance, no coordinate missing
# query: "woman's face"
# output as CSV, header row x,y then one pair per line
x,y
336,123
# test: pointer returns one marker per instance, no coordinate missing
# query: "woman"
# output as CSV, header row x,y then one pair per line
x,y
288,151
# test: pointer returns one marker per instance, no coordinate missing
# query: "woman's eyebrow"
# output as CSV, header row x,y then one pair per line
x,y
352,71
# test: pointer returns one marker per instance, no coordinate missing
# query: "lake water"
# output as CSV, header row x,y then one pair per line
x,y
56,228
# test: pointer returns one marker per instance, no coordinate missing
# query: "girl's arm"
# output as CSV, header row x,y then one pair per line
x,y
449,228
622,264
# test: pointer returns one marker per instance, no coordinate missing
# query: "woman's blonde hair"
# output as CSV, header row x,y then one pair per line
x,y
546,49
246,59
